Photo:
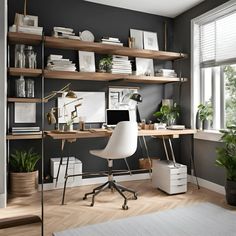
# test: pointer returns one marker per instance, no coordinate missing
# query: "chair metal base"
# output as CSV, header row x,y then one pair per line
x,y
113,186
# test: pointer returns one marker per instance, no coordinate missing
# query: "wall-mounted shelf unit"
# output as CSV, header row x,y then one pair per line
x,y
22,38
96,76
23,136
52,42
26,100
25,72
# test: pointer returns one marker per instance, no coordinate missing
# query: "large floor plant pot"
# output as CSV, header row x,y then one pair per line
x,y
230,188
23,184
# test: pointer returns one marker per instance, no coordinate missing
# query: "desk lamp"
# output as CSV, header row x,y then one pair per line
x,y
137,98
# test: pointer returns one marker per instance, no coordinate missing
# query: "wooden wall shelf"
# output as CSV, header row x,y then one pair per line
x,y
23,136
25,72
100,48
22,38
26,100
95,76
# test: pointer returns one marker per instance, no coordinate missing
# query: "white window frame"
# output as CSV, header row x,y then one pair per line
x,y
209,16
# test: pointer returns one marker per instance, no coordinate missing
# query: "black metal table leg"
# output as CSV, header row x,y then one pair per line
x,y
192,160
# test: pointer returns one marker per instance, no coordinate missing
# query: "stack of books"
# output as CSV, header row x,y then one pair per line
x,y
26,29
121,65
25,130
166,73
62,32
113,41
57,62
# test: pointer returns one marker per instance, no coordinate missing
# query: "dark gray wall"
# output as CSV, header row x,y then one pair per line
x,y
204,151
101,20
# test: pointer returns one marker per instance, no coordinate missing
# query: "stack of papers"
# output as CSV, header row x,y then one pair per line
x,y
62,32
113,41
166,73
26,130
26,29
57,62
121,65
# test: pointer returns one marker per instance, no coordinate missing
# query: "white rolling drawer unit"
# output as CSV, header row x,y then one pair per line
x,y
169,176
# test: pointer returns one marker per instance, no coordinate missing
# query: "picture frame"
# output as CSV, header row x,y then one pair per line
x,y
138,38
119,99
144,66
150,40
86,61
24,113
28,20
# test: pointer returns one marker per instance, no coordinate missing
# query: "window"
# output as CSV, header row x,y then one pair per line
x,y
214,64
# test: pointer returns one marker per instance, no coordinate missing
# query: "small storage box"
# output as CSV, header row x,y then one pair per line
x,y
169,176
74,167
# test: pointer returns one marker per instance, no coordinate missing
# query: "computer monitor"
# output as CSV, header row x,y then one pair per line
x,y
113,117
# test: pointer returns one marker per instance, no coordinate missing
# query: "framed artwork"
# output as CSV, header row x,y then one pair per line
x,y
138,38
144,66
86,61
27,20
150,40
25,112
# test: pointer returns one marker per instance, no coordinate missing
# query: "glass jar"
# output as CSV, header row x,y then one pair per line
x,y
30,58
19,56
29,88
20,87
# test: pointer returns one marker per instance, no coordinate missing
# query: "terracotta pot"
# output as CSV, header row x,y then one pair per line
x,y
23,184
230,189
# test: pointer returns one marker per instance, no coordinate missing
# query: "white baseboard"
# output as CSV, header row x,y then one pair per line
x,y
207,184
97,180
3,202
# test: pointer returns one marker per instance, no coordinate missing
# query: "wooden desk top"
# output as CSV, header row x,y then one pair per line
x,y
96,133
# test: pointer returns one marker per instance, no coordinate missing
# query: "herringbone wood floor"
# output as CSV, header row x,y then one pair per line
x,y
77,212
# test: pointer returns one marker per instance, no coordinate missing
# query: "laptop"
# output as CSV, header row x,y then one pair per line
x,y
113,117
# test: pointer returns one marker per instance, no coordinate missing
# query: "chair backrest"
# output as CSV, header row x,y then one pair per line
x,y
123,141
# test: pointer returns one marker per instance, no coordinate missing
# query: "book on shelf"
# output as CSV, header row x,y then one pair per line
x,y
27,133
33,128
26,29
62,29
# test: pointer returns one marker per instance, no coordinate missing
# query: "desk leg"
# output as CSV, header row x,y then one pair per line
x,y
148,156
172,151
192,161
66,174
166,152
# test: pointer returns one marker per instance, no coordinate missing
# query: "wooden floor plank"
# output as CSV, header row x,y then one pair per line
x,y
77,212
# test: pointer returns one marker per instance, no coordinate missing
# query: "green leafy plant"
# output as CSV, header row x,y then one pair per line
x,y
105,64
168,114
205,111
24,161
226,155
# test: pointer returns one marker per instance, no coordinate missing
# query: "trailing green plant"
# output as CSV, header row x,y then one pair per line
x,y
168,114
23,161
205,111
226,155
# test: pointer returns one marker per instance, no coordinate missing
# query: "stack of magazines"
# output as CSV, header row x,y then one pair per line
x,y
62,32
57,62
121,65
166,73
25,130
113,41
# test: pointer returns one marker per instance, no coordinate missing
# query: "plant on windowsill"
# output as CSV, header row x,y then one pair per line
x,y
226,157
205,115
23,176
168,114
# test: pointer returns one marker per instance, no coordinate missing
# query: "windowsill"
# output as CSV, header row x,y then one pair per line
x,y
209,135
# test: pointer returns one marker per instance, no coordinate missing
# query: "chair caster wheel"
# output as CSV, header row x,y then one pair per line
x,y
84,198
91,204
125,207
135,196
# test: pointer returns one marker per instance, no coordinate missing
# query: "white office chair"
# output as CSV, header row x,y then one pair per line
x,y
122,144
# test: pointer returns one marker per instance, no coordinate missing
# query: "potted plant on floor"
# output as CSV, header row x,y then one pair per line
x,y
23,176
226,157
205,115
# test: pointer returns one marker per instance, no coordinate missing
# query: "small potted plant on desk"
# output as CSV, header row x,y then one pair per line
x,y
205,115
168,114
226,157
23,176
